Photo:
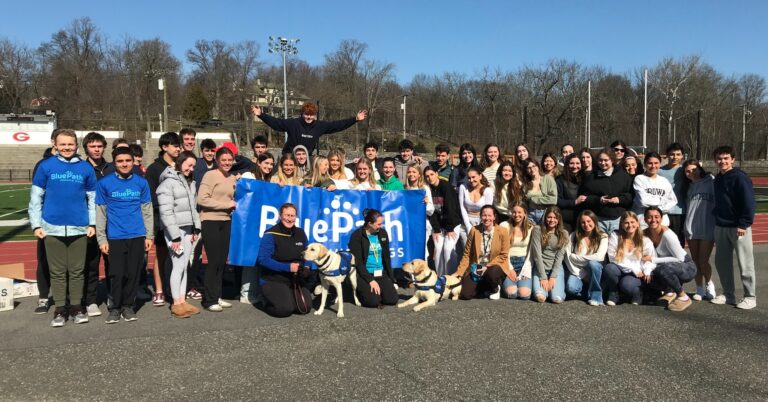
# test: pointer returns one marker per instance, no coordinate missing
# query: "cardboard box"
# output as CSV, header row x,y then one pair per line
x,y
24,289
6,294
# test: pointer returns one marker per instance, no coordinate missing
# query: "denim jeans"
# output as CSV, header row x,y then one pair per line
x,y
516,263
574,286
557,294
536,215
626,283
608,225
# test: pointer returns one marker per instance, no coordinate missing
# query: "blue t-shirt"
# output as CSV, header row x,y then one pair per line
x,y
676,177
374,263
65,184
123,198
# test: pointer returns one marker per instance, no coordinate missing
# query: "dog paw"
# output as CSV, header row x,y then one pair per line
x,y
318,312
400,305
340,315
417,309
358,304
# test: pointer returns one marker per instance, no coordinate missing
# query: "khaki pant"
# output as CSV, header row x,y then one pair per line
x,y
66,260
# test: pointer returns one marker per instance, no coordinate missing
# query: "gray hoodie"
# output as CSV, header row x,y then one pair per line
x,y
177,203
306,169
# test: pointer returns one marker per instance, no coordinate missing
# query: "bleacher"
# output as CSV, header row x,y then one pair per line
x,y
17,161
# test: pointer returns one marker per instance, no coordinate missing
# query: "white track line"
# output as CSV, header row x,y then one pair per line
x,y
14,212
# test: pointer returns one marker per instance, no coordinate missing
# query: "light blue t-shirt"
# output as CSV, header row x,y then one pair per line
x,y
676,177
374,264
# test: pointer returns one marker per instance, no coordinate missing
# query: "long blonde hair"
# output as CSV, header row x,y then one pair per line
x,y
294,180
526,225
419,183
637,238
339,174
371,180
315,177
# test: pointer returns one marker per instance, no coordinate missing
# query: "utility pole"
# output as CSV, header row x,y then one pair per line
x,y
744,114
403,106
285,46
645,110
658,131
698,134
161,86
589,114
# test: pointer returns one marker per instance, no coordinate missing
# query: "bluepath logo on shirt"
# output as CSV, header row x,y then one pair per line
x,y
68,176
126,194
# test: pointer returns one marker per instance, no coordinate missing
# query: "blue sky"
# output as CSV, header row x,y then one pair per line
x,y
435,37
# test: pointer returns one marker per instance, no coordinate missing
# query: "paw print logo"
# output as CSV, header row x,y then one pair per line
x,y
336,204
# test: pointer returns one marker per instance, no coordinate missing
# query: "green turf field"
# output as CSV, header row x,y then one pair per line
x,y
14,199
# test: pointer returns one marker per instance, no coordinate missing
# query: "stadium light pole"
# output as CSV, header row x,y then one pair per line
x,y
745,112
285,46
405,98
645,110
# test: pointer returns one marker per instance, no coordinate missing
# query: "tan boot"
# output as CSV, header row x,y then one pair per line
x,y
679,305
179,311
666,300
192,310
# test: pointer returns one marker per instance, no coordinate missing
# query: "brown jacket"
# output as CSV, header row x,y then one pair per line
x,y
498,253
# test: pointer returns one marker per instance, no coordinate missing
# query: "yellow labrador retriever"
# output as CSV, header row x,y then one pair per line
x,y
333,269
430,287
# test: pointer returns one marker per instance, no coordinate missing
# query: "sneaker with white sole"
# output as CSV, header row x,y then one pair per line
x,y
710,291
59,318
723,299
245,300
216,308
42,306
93,310
80,317
113,317
224,304
594,303
701,292
747,303
496,295
128,314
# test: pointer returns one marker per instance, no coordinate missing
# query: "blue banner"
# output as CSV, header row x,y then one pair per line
x,y
328,217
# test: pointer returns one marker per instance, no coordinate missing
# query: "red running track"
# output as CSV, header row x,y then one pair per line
x,y
26,251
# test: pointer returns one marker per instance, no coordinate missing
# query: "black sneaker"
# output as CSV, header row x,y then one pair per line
x,y
42,306
129,314
113,317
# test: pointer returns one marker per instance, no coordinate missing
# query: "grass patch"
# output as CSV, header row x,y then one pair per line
x,y
13,198
762,207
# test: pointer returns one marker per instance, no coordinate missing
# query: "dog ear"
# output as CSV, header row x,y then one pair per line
x,y
322,251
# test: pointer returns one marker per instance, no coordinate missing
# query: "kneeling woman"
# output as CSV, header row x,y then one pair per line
x,y
549,242
630,254
673,265
584,259
370,246
280,260
484,264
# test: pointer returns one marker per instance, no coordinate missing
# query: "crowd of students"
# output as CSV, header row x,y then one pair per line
x,y
601,226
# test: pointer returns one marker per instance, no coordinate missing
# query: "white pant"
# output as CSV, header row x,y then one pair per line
x,y
178,281
446,259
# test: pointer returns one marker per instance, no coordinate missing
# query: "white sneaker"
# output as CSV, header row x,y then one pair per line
x,y
93,310
496,295
244,300
722,299
710,291
215,308
594,303
224,304
610,303
747,303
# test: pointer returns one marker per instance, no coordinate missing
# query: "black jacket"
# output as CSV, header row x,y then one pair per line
x,y
153,178
301,133
618,184
359,246
447,213
567,192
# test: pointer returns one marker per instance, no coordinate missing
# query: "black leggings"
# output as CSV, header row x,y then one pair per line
x,y
91,272
280,301
43,273
367,298
216,239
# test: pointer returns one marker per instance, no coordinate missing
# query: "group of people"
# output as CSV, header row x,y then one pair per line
x,y
584,224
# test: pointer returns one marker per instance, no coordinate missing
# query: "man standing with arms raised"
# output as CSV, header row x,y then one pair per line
x,y
306,130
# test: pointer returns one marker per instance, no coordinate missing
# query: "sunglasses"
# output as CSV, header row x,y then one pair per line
x,y
618,149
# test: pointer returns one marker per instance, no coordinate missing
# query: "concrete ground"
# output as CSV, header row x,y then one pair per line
x,y
477,350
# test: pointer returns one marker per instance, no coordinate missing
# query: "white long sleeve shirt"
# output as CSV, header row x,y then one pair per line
x,y
669,249
576,260
656,191
630,262
470,210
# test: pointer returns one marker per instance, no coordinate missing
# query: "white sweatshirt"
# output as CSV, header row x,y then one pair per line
x,y
656,192
669,249
470,210
576,261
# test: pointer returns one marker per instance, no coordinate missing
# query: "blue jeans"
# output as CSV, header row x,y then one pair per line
x,y
574,286
608,225
557,294
536,215
516,263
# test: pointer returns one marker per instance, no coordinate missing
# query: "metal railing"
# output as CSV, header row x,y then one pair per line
x,y
16,175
